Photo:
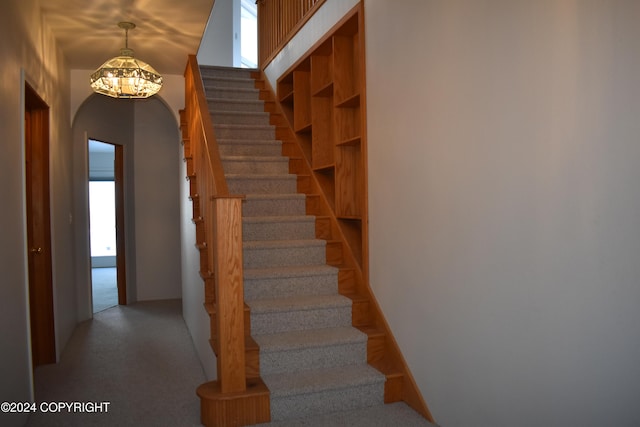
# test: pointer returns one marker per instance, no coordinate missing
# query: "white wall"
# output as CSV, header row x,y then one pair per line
x,y
195,316
504,205
216,47
28,47
157,160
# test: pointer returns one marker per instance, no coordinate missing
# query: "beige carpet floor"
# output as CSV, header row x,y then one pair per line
x,y
105,288
139,358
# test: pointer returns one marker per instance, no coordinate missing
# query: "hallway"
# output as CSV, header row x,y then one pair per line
x,y
140,358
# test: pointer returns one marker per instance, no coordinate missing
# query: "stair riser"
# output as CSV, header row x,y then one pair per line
x,y
247,106
259,289
283,230
258,133
275,206
224,72
305,405
228,82
235,118
275,322
232,148
284,257
230,93
312,358
273,167
271,185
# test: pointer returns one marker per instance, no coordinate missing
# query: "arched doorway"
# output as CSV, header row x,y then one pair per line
x,y
149,135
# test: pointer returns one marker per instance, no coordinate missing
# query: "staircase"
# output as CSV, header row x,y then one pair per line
x,y
302,343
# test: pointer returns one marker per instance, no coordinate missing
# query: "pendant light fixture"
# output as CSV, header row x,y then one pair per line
x,y
125,76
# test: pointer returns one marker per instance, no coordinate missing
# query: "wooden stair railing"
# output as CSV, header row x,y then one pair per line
x,y
232,400
278,22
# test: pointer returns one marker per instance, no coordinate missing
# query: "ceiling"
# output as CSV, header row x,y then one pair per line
x,y
166,30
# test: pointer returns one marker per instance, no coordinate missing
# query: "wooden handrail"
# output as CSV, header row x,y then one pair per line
x,y
278,22
221,215
198,116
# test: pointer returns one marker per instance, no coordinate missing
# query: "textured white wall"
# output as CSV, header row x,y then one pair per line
x,y
29,51
195,316
216,47
157,160
504,205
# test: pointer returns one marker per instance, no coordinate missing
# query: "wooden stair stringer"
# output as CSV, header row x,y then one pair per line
x,y
383,352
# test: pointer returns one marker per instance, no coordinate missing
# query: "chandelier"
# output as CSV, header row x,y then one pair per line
x,y
125,76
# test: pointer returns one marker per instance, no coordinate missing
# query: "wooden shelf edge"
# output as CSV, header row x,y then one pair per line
x,y
350,101
324,168
353,141
305,128
324,91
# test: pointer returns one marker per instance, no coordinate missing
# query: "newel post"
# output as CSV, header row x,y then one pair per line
x,y
227,261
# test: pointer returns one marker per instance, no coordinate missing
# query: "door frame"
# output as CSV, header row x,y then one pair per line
x,y
38,224
121,264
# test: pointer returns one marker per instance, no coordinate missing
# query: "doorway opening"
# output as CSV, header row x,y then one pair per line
x,y
106,214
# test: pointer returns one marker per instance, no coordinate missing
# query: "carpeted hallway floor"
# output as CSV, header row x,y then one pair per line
x,y
105,291
139,358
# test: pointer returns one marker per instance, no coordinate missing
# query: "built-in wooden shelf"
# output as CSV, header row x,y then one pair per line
x,y
321,97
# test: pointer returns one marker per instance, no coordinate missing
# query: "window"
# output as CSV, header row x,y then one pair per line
x,y
248,34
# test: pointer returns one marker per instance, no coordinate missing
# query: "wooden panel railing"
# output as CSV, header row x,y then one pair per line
x,y
278,22
219,215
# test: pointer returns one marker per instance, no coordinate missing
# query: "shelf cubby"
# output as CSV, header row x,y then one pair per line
x,y
301,101
346,124
322,71
349,182
322,135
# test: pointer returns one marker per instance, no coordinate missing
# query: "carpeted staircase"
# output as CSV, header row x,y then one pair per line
x,y
311,358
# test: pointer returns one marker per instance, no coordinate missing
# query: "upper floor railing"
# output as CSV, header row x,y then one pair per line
x,y
278,22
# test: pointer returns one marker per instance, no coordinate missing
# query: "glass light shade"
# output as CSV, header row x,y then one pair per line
x,y
126,77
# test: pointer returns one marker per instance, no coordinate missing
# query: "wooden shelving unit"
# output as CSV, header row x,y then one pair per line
x,y
322,98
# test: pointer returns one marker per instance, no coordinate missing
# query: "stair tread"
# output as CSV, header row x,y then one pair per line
x,y
274,196
210,84
289,271
258,244
242,126
214,99
231,141
309,338
278,218
254,159
298,303
251,141
239,112
259,175
314,381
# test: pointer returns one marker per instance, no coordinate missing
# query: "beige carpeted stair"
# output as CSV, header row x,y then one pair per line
x,y
311,358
